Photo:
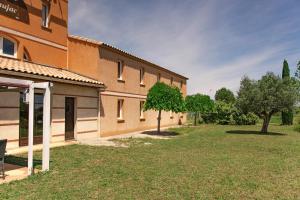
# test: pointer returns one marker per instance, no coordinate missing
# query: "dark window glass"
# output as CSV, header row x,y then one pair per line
x,y
38,116
8,47
120,69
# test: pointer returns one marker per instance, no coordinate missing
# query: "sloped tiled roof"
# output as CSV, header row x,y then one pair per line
x,y
43,70
84,39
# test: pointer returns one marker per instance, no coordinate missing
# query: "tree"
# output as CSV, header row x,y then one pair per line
x,y
286,116
267,96
198,104
297,74
225,95
162,97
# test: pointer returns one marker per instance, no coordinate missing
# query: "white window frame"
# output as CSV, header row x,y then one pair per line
x,y
1,47
120,109
46,22
121,66
142,103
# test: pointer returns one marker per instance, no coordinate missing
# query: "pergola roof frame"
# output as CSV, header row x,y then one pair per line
x,y
46,117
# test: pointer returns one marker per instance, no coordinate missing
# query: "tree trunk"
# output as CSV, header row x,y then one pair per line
x,y
158,121
195,119
266,122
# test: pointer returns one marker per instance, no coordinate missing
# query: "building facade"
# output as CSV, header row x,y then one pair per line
x,y
98,90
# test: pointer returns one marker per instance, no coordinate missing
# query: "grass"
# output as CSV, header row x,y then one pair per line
x,y
207,162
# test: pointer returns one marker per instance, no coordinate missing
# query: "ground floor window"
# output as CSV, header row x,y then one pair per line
x,y
38,120
120,109
142,103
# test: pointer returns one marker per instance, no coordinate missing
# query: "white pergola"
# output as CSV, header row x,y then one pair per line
x,y
31,86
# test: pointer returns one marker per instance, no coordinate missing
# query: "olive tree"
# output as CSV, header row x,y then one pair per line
x,y
162,97
198,104
267,96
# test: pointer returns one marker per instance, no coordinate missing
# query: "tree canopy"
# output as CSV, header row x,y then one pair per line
x,y
162,97
198,103
267,96
225,95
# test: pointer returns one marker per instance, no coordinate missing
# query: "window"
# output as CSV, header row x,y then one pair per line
x,y
172,80
45,15
38,120
142,75
26,56
120,108
181,84
158,77
142,103
8,47
120,70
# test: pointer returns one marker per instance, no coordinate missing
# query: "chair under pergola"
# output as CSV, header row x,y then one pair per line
x,y
8,84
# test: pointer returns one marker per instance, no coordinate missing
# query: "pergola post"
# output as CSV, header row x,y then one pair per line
x,y
46,129
30,129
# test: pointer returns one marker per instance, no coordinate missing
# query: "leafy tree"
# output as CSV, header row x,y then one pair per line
x,y
267,96
198,104
162,97
225,95
286,116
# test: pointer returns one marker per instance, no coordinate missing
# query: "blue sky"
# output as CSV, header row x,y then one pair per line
x,y
213,42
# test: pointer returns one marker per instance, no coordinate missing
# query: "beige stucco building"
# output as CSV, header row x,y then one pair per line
x,y
98,90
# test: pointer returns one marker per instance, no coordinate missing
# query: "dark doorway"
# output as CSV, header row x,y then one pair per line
x,y
69,116
38,120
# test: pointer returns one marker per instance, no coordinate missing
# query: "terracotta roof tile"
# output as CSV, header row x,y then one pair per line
x,y
43,70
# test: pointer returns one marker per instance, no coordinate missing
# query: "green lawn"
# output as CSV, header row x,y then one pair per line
x,y
208,162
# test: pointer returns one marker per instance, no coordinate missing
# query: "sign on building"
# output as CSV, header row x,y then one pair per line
x,y
15,9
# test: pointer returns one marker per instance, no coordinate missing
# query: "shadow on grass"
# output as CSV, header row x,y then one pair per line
x,y
21,161
244,132
162,133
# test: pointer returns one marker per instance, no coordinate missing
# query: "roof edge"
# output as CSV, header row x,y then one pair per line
x,y
99,43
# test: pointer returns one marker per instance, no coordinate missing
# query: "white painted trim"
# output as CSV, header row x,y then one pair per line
x,y
33,38
120,94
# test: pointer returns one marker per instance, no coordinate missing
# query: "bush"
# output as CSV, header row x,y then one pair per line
x,y
209,118
224,113
244,119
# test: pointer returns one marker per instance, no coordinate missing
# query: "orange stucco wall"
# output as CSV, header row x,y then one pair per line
x,y
56,33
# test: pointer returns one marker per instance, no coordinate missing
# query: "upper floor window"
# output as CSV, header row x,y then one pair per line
x,y
181,84
45,15
142,75
26,56
120,70
8,47
172,80
158,77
